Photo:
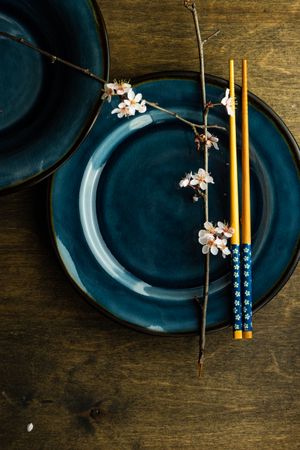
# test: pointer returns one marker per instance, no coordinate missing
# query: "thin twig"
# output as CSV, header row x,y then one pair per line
x,y
87,72
174,114
192,7
53,58
211,36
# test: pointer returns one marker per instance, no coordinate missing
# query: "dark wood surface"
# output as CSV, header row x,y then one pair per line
x,y
86,382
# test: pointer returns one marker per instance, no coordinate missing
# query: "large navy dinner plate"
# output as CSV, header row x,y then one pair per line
x,y
47,109
127,234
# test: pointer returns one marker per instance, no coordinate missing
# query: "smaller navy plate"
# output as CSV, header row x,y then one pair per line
x,y
127,234
47,109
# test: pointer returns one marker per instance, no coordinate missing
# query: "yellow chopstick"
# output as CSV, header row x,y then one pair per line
x,y
234,190
234,214
246,213
246,210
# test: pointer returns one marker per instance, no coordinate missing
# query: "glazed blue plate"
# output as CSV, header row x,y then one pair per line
x,y
47,109
127,234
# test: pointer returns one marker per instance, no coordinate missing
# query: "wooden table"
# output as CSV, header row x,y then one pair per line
x,y
86,382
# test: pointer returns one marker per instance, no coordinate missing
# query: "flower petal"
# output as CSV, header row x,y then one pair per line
x,y
130,94
214,250
208,225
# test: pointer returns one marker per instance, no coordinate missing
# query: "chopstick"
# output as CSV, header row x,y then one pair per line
x,y
234,215
246,211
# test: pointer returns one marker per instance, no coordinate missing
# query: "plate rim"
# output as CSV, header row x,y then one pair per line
x,y
292,143
34,179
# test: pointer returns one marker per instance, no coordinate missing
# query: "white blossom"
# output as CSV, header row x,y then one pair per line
x,y
213,242
224,228
184,182
201,179
212,141
210,246
123,110
204,237
133,102
210,227
142,107
121,87
227,101
222,245
109,91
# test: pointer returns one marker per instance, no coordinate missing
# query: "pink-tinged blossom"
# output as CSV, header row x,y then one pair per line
x,y
225,229
109,91
212,240
228,102
201,179
222,245
210,246
204,236
184,182
123,110
121,87
212,141
210,228
142,107
133,102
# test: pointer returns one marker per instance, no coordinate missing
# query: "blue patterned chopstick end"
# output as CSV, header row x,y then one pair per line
x,y
236,284
247,286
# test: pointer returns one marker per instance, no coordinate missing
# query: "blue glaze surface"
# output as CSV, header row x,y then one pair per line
x,y
127,234
46,109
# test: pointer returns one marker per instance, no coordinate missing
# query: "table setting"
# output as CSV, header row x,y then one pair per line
x,y
165,202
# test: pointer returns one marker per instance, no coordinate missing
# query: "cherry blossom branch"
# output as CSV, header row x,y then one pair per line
x,y
87,72
174,114
52,58
190,5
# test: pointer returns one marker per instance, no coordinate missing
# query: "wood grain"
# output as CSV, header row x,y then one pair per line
x,y
86,382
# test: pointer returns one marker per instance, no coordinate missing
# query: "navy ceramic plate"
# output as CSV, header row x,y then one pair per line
x,y
47,109
127,234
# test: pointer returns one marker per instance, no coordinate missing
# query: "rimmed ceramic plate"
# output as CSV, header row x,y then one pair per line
x,y
127,234
47,109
